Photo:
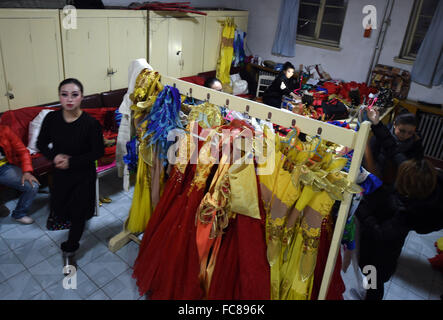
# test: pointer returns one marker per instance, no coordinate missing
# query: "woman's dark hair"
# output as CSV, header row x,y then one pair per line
x,y
71,80
287,65
406,118
210,81
416,178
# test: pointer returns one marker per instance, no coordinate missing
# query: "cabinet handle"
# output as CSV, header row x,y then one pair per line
x,y
111,71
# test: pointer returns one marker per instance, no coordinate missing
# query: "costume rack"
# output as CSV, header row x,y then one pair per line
x,y
341,136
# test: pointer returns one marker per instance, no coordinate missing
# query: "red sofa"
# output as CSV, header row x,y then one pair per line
x,y
97,105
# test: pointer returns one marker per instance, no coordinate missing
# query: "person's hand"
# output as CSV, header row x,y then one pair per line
x,y
373,115
61,161
27,176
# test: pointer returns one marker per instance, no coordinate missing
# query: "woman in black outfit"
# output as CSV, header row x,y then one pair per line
x,y
77,142
390,213
284,84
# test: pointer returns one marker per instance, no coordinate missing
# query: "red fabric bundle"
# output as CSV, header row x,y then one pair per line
x,y
437,261
331,87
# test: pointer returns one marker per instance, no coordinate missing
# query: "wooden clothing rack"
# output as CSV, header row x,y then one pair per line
x,y
345,137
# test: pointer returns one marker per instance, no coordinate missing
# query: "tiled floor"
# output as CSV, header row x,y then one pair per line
x,y
414,278
30,258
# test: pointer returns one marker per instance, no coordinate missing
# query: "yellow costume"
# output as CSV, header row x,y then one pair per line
x,y
297,196
146,89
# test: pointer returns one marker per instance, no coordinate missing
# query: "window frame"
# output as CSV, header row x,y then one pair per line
x,y
405,55
315,41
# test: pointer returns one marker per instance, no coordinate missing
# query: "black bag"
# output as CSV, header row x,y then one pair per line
x,y
334,110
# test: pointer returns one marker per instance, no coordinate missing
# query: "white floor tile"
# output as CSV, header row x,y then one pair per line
x,y
129,253
105,268
123,287
98,295
399,293
41,296
20,287
21,235
49,271
10,265
90,249
36,251
3,246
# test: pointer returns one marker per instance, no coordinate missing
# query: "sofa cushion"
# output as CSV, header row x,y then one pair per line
x,y
34,130
18,120
41,165
113,98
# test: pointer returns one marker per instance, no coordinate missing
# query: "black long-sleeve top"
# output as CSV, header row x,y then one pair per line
x,y
280,86
386,218
385,147
81,139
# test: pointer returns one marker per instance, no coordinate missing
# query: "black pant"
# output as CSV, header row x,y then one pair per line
x,y
78,223
377,294
272,101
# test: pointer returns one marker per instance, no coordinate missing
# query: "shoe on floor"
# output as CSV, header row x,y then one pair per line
x,y
25,220
4,211
68,260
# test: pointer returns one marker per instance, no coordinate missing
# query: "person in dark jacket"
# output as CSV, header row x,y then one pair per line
x,y
283,84
389,214
390,146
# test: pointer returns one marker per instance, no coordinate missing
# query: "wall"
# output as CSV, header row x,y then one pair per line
x,y
194,3
352,62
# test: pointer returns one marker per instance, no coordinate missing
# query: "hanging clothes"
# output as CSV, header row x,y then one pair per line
x,y
298,195
146,89
203,241
124,131
226,53
173,271
242,271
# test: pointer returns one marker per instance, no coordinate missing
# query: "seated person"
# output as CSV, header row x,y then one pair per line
x,y
283,85
213,83
16,172
387,215
392,145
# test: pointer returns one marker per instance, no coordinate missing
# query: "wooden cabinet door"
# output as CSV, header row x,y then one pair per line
x,y
128,42
185,46
18,67
31,58
86,53
47,60
158,39
4,102
192,32
212,43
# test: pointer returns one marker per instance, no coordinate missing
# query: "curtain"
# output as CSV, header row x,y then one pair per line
x,y
428,66
284,41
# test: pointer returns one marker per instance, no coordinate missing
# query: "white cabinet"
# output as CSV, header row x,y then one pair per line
x,y
98,52
31,57
213,32
176,43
